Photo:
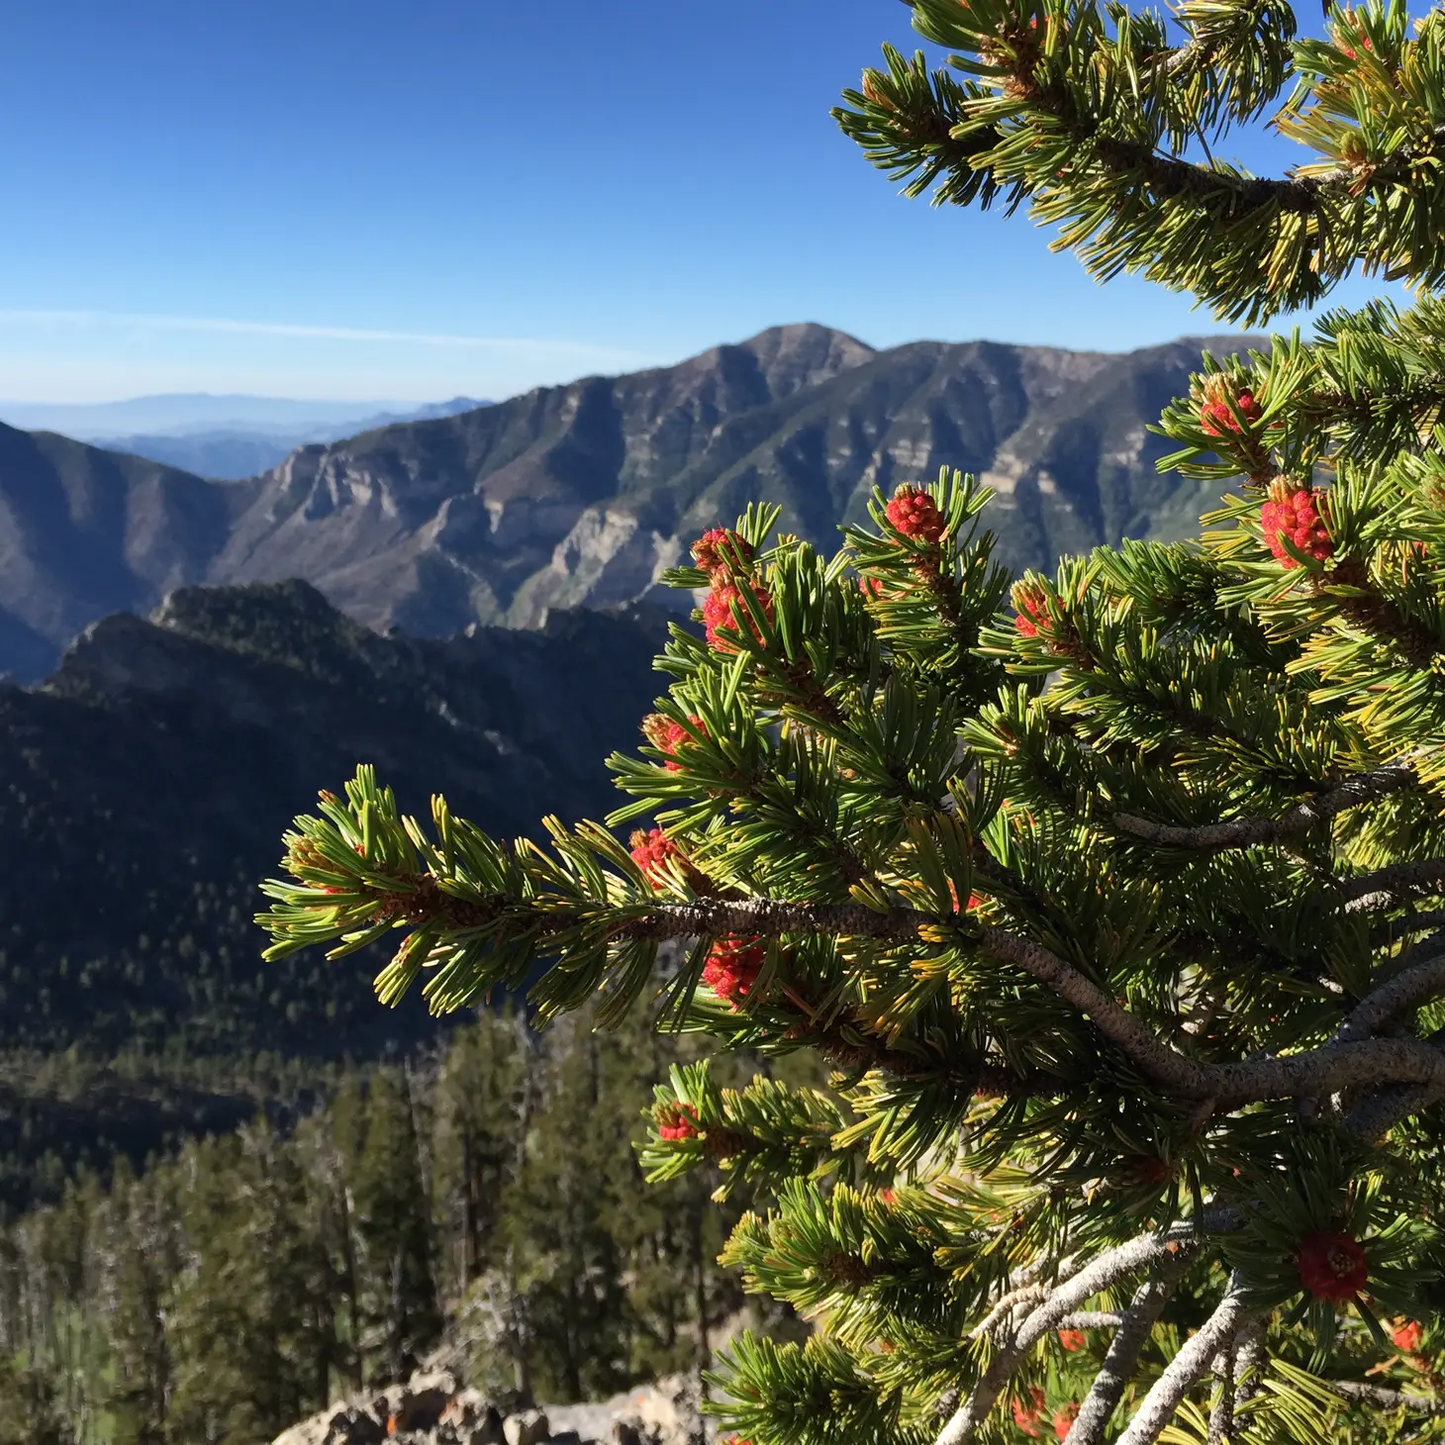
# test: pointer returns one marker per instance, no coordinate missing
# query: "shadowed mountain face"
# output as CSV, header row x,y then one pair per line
x,y
581,494
145,787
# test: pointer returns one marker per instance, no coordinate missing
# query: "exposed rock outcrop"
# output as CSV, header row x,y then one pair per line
x,y
434,1409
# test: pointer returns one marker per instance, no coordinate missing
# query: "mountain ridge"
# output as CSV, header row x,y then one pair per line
x,y
582,494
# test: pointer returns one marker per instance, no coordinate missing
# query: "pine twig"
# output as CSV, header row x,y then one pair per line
x,y
1109,1268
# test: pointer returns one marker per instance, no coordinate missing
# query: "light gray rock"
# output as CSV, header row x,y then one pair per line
x,y
528,1428
340,1425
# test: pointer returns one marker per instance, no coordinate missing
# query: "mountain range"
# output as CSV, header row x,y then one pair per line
x,y
579,495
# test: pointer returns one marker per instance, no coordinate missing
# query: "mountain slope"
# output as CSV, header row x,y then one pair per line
x,y
580,495
86,532
144,789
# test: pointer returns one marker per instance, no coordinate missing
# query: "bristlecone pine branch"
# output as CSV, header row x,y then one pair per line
x,y
1114,900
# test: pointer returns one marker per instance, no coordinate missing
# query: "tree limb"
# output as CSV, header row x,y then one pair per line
x,y
1383,1399
1092,1320
1394,929
1221,1416
1184,1370
1386,887
1329,1069
1246,832
1123,1260
1122,1358
1409,988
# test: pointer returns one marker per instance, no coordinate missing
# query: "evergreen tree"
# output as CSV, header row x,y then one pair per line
x,y
1118,911
399,1315
477,1105
136,1395
249,1347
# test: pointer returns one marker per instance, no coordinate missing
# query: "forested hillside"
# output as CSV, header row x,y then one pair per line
x,y
143,792
243,1284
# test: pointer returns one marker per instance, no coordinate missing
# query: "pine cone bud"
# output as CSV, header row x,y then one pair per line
x,y
668,736
849,1269
1064,1418
717,614
1332,1265
1407,1336
720,549
1215,414
915,514
1031,602
652,851
873,90
676,1121
722,1143
1298,514
732,967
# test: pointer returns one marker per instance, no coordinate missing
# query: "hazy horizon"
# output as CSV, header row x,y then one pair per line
x,y
468,240
362,406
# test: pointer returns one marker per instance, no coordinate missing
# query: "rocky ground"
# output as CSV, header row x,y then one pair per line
x,y
434,1409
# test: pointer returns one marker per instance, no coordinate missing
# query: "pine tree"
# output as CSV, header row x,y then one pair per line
x,y
399,1312
477,1109
1114,898
137,1391
248,1345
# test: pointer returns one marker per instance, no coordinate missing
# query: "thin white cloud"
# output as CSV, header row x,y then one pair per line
x,y
230,326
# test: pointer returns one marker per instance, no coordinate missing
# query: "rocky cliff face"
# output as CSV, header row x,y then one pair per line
x,y
580,495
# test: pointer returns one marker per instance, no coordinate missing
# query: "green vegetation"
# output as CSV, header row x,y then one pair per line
x,y
1117,911
491,1189
141,792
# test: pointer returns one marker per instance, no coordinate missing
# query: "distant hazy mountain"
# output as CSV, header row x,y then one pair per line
x,y
185,413
230,453
225,456
581,494
223,437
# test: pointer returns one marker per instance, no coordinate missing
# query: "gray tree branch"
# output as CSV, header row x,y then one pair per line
x,y
1185,1369
1180,1240
1384,1399
1122,1358
1246,832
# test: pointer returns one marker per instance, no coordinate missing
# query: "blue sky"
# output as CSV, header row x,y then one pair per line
x,y
370,198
